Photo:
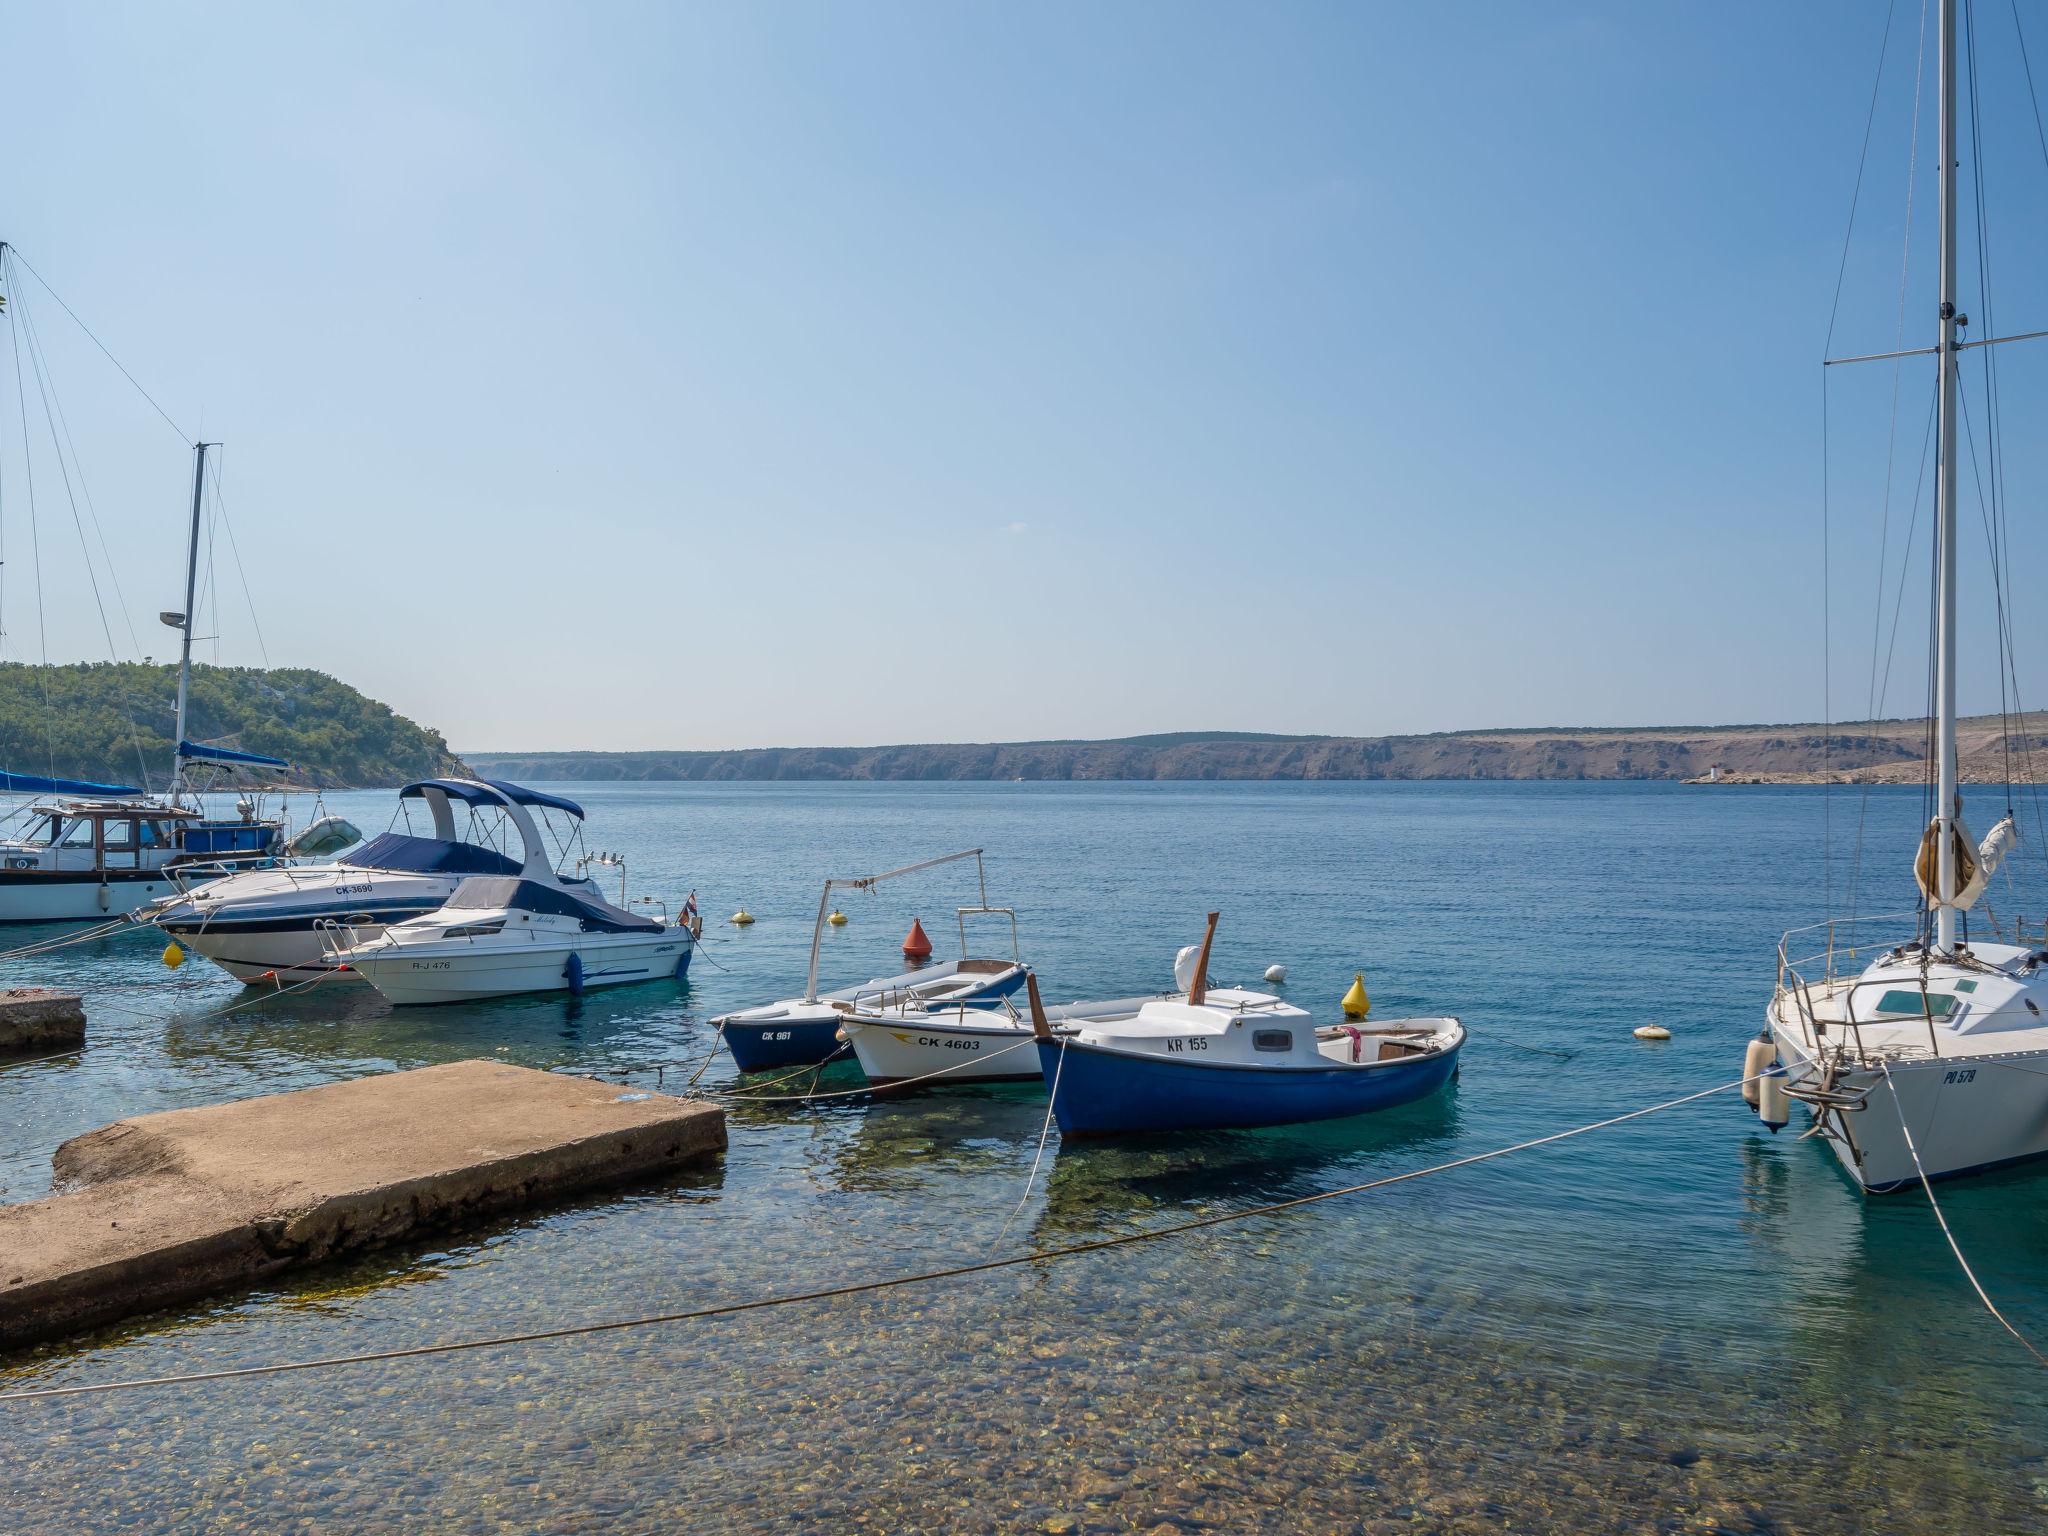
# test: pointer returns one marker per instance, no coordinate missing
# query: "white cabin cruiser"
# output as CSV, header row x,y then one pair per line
x,y
272,924
88,851
499,935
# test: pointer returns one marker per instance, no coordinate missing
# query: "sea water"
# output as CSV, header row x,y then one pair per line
x,y
1683,1323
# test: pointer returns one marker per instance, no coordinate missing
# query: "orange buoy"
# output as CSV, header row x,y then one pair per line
x,y
915,945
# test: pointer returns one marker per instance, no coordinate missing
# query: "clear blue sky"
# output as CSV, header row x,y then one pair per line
x,y
663,376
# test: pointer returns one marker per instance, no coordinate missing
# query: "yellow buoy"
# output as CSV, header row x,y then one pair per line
x,y
741,918
1356,1004
1652,1032
837,919
173,956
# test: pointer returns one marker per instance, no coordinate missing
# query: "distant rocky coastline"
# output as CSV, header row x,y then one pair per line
x,y
1885,751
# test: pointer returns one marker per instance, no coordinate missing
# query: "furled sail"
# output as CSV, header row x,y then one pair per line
x,y
1927,866
1974,864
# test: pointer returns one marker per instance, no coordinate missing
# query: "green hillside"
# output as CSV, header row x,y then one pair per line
x,y
87,722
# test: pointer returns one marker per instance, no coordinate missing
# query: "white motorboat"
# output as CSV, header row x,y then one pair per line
x,y
1932,1058
499,935
272,924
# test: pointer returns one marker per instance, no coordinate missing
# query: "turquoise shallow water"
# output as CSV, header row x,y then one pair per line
x,y
1683,1324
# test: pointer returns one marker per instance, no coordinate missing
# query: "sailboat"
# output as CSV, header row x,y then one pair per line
x,y
1931,1060
89,850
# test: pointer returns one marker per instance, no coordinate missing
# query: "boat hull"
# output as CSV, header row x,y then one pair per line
x,y
765,1044
285,949
1102,1092
894,1051
804,1034
1968,1114
414,976
33,896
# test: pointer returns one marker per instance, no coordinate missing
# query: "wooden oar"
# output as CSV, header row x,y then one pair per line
x,y
1200,989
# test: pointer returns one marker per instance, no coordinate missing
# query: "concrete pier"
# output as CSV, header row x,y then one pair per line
x,y
163,1208
38,1020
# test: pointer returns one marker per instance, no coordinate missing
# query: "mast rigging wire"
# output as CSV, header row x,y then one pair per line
x,y
183,436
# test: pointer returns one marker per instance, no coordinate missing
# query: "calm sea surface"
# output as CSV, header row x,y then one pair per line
x,y
1684,1324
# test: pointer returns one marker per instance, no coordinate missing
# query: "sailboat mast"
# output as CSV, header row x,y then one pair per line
x,y
1946,359
191,597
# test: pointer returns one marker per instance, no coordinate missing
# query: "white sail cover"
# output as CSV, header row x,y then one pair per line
x,y
1974,865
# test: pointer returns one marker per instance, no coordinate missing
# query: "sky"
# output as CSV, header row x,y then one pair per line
x,y
675,376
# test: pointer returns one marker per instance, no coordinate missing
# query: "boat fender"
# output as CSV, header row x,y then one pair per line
x,y
573,974
1773,1104
106,896
1356,1004
1652,1032
173,955
837,919
916,945
1357,1041
1763,1050
683,963
1276,974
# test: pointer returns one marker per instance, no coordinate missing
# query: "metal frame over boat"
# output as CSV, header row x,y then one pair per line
x,y
806,1030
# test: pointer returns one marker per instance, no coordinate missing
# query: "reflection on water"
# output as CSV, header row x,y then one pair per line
x,y
1679,1324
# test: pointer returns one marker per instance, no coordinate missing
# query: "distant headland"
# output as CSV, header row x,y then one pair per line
x,y
1882,751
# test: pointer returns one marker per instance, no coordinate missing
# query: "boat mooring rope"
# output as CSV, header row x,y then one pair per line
x,y
45,946
1052,1097
1954,1247
852,1288
868,1090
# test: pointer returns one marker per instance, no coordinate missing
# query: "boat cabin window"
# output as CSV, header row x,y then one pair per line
x,y
120,834
1272,1040
46,830
156,834
1966,986
80,833
1907,1005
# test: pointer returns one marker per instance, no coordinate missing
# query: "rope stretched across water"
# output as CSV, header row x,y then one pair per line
x,y
1953,1246
852,1288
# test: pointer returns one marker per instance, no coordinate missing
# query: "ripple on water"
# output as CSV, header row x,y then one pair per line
x,y
1683,1325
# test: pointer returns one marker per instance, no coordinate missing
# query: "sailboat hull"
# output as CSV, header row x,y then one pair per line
x,y
1967,1114
66,896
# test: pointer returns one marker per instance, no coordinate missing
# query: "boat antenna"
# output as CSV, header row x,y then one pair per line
x,y
1947,358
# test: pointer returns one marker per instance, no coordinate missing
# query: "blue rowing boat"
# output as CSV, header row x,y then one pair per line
x,y
1221,1058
